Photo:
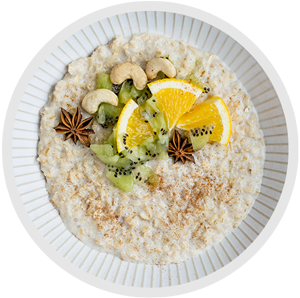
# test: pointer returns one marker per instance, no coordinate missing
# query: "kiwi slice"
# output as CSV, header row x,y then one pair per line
x,y
143,174
137,154
106,154
122,178
104,149
200,136
103,82
156,149
128,91
193,79
112,140
125,92
156,118
145,95
108,114
119,168
159,146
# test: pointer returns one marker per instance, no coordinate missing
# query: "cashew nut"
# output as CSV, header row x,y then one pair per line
x,y
160,64
94,98
127,70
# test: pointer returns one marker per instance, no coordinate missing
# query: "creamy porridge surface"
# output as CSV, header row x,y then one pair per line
x,y
194,205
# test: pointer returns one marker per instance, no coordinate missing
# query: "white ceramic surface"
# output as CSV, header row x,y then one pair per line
x,y
31,183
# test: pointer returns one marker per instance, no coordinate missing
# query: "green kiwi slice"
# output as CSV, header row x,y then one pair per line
x,y
108,114
200,136
193,79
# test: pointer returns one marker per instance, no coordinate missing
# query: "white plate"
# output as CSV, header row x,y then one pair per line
x,y
27,185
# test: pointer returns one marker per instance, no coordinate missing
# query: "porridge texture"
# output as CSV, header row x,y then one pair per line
x,y
194,205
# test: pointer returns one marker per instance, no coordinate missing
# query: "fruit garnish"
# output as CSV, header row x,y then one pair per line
x,y
122,171
157,120
132,128
200,136
108,114
74,128
175,97
129,91
193,79
144,123
125,92
103,82
143,174
134,140
122,179
210,117
108,154
179,149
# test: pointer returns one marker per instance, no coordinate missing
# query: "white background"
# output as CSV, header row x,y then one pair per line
x,y
25,28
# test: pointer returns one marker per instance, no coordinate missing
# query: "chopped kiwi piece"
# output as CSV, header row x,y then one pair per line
x,y
105,153
143,174
200,136
125,92
150,148
157,149
156,118
109,160
161,149
145,95
135,93
128,91
118,160
121,178
108,114
137,154
112,140
103,82
123,162
108,154
192,78
104,149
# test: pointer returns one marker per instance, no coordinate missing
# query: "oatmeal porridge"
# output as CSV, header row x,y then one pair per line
x,y
194,204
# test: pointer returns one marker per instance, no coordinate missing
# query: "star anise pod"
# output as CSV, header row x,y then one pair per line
x,y
74,128
180,150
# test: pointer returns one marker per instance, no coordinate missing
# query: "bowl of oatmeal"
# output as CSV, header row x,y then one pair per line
x,y
200,215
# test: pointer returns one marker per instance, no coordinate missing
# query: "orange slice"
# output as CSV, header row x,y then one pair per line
x,y
175,97
212,112
133,124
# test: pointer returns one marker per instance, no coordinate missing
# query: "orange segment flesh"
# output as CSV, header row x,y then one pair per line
x,y
174,102
132,123
137,129
175,97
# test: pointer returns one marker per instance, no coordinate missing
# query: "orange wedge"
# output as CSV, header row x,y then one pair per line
x,y
175,97
211,113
